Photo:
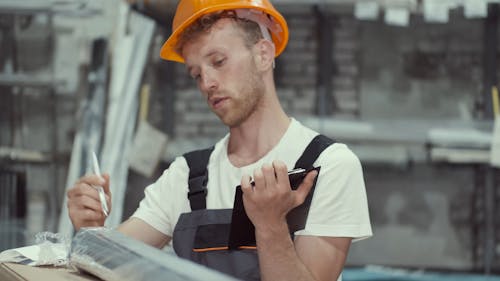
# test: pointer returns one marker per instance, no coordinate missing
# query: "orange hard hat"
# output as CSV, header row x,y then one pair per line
x,y
188,11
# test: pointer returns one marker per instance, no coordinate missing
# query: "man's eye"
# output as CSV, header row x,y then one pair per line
x,y
219,62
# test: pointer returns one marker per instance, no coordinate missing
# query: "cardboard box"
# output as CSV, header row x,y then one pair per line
x,y
19,272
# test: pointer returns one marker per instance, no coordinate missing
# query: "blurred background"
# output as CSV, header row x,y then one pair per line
x,y
409,85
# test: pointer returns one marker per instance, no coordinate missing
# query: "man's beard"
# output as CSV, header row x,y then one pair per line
x,y
246,103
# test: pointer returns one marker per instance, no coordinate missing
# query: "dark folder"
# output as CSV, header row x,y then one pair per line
x,y
242,232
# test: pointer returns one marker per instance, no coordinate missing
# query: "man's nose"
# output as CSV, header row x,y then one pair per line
x,y
208,82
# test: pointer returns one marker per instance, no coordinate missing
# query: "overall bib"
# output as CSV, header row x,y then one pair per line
x,y
202,235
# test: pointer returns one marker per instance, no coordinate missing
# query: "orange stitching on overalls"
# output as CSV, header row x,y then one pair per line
x,y
202,250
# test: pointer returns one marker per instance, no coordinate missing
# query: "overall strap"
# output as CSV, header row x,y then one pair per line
x,y
313,150
198,177
297,217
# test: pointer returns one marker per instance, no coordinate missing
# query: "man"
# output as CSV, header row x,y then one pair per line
x,y
228,47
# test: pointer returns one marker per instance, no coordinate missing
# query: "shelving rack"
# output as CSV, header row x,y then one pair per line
x,y
17,86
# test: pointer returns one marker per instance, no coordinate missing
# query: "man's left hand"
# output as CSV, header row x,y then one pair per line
x,y
271,198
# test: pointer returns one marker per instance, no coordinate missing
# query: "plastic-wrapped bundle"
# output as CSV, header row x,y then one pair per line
x,y
110,255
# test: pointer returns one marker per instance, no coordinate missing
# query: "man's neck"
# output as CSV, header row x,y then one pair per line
x,y
258,135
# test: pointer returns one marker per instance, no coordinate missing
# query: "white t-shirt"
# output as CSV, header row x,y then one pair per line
x,y
339,206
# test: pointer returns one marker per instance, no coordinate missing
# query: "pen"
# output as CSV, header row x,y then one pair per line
x,y
102,197
291,174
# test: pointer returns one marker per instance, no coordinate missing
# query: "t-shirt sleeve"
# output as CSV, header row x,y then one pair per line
x,y
165,199
339,207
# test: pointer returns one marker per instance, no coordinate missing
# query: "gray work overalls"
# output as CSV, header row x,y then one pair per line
x,y
202,235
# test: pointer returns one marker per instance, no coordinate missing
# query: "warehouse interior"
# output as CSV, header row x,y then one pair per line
x,y
408,85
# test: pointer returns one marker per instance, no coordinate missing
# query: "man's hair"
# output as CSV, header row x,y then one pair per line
x,y
250,30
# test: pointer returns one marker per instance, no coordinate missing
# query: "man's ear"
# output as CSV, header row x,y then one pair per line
x,y
264,54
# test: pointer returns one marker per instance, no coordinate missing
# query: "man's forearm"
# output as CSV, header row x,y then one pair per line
x,y
278,259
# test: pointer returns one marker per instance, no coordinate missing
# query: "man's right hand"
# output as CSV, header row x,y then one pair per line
x,y
84,207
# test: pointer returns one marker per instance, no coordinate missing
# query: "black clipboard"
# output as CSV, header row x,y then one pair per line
x,y
242,231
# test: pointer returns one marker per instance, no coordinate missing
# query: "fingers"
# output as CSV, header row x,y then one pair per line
x,y
271,175
246,186
305,187
268,175
275,177
84,212
271,197
105,186
281,171
259,179
84,205
81,215
88,199
86,202
83,189
91,179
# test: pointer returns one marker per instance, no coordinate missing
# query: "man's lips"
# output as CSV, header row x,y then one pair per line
x,y
216,102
